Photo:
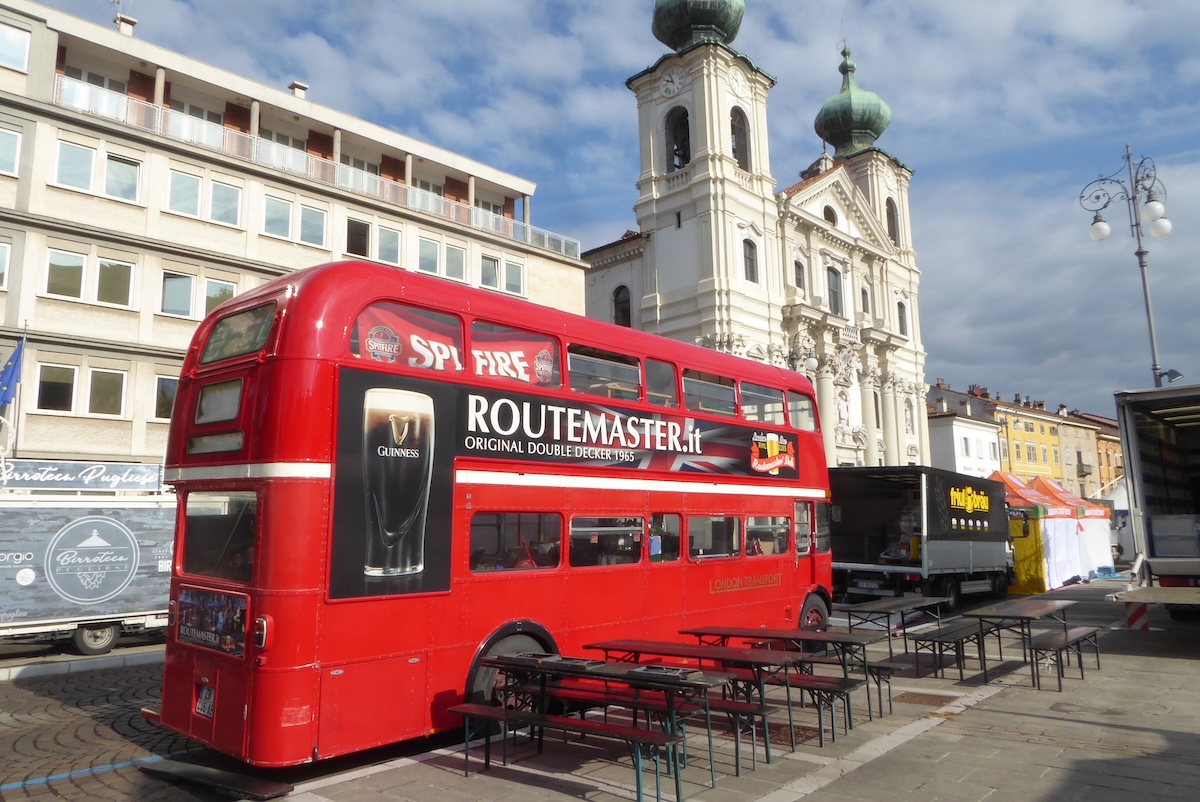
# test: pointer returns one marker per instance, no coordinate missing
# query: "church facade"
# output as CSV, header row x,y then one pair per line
x,y
819,276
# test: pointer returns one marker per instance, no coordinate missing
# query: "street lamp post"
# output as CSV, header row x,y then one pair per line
x,y
1144,190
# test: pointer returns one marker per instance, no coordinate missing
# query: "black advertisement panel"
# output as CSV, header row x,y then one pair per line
x,y
398,437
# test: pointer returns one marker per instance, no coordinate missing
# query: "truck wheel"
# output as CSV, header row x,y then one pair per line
x,y
814,614
1000,585
481,687
951,591
96,639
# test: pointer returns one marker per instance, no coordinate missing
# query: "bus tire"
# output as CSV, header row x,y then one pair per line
x,y
814,614
481,687
95,639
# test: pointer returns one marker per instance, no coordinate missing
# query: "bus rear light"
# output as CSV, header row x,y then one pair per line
x,y
171,613
212,443
261,630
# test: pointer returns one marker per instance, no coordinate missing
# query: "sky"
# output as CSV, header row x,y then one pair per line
x,y
1004,111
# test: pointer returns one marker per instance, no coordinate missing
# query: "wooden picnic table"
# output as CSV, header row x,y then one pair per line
x,y
850,647
1018,616
677,688
882,610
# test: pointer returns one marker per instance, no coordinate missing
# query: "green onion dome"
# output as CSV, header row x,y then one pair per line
x,y
681,23
854,118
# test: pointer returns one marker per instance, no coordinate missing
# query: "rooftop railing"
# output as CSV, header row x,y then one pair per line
x,y
89,99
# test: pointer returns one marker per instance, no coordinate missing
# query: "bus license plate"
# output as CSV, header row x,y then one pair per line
x,y
205,700
867,584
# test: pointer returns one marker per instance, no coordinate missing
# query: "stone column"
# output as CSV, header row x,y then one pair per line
x,y
827,406
890,424
870,427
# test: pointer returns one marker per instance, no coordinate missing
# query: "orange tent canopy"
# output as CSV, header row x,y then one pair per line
x,y
1051,488
1020,494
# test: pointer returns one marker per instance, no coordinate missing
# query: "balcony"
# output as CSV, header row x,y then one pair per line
x,y
88,99
1083,469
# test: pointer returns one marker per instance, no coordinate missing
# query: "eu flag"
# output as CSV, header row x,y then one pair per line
x,y
10,376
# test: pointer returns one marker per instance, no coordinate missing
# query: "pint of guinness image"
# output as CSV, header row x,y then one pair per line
x,y
397,467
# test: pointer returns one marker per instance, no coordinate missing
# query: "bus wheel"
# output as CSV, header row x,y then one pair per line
x,y
814,614
95,640
482,687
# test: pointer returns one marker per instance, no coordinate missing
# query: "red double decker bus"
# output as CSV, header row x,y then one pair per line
x,y
383,477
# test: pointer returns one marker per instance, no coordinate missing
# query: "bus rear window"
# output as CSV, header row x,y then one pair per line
x,y
219,534
243,333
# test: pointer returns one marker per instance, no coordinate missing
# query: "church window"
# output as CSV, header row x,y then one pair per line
x,y
741,138
865,299
621,306
798,274
831,216
893,222
750,258
833,280
902,319
679,139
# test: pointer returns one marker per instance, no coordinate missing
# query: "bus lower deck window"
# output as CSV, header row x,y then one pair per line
x,y
505,541
606,541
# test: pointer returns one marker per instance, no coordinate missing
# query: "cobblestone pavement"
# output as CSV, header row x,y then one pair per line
x,y
80,736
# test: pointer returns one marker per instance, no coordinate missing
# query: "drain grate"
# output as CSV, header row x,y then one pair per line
x,y
930,699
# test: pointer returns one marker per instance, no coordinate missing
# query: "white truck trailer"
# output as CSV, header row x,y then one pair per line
x,y
84,570
901,530
1160,438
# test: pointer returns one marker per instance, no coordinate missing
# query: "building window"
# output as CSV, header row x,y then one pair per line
x,y
10,149
177,294
621,314
164,396
966,447
427,261
121,178
1045,459
56,388
277,217
993,449
1004,450
864,298
183,194
1029,426
514,278
114,283
64,275
1031,453
1054,431
312,226
831,215
225,205
389,246
741,138
75,166
750,260
833,280
679,139
106,392
14,48
1017,450
216,293
489,272
456,263
5,255
893,221
902,319
798,274
358,238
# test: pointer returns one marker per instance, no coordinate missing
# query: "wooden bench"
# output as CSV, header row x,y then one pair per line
x,y
880,671
578,697
937,641
1054,644
654,741
824,692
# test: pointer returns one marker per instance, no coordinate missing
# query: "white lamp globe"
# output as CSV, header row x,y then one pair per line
x,y
1153,210
1160,228
1099,230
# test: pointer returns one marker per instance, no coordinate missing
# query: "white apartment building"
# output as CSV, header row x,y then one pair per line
x,y
139,189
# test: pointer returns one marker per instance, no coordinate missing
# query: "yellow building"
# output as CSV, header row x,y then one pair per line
x,y
1029,439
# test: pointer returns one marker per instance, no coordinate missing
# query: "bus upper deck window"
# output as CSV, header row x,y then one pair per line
x,y
391,333
507,353
707,392
242,333
660,384
800,412
605,373
762,404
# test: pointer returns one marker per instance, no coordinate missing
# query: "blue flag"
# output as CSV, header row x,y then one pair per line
x,y
10,376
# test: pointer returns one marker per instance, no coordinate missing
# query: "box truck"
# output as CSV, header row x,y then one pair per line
x,y
901,530
84,570
1160,438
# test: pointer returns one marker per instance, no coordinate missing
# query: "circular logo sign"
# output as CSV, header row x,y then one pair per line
x,y
91,559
